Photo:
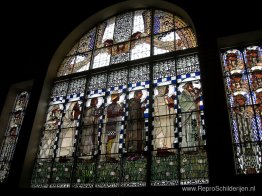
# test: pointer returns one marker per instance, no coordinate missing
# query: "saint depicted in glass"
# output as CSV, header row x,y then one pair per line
x,y
114,113
135,132
90,121
189,102
164,120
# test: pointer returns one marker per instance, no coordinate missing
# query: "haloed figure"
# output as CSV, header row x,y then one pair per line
x,y
135,126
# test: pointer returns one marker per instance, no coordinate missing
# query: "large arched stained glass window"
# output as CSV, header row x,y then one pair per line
x,y
132,120
12,133
243,78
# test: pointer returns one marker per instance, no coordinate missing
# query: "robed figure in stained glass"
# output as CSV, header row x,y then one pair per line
x,y
164,120
246,131
114,113
135,126
89,134
70,120
190,119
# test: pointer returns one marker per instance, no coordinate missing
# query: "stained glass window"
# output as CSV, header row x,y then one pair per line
x,y
103,128
242,74
12,133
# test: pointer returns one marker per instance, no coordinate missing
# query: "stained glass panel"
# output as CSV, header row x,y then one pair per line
x,y
86,43
164,43
67,66
184,39
123,27
12,133
102,57
163,22
141,24
242,78
105,33
179,23
82,62
120,53
59,90
140,48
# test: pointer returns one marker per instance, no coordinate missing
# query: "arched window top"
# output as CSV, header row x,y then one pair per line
x,y
128,36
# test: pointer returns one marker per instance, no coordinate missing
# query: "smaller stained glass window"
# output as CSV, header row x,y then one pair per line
x,y
12,134
242,70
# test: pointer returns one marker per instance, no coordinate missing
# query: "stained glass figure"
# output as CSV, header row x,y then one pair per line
x,y
53,117
12,132
189,103
91,117
135,131
113,127
164,120
233,60
253,56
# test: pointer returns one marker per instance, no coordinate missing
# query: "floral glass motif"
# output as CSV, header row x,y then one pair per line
x,y
12,133
242,70
97,131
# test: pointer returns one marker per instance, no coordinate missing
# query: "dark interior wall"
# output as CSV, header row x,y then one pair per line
x,y
31,40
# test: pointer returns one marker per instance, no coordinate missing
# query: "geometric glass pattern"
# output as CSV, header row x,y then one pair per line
x,y
12,133
243,79
120,123
127,37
